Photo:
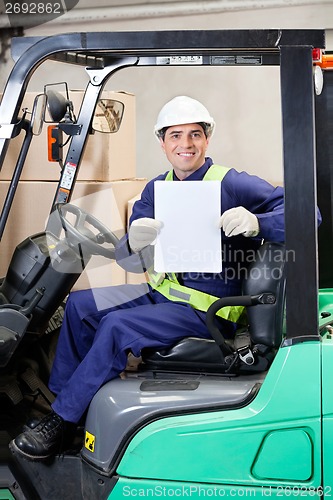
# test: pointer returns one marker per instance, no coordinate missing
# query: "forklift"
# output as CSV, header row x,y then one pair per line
x,y
204,418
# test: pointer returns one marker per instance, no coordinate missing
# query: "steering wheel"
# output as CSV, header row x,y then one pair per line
x,y
79,233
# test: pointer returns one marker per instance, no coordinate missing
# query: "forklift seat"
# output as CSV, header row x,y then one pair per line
x,y
254,346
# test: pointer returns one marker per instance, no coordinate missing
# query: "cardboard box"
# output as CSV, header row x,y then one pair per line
x,y
107,157
134,278
107,201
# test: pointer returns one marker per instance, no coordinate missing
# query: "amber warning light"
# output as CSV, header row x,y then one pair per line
x,y
54,143
324,61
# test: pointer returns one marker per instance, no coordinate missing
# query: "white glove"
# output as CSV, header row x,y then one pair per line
x,y
238,220
143,232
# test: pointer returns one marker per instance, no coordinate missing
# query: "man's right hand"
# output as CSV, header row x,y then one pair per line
x,y
143,232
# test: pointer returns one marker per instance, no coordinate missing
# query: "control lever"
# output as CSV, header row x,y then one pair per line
x,y
30,306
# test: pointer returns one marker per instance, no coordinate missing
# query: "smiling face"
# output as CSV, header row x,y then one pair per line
x,y
185,147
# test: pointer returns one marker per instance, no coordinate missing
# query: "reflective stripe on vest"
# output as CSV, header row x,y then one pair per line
x,y
214,173
169,286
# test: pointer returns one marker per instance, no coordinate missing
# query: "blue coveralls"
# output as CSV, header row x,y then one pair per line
x,y
102,326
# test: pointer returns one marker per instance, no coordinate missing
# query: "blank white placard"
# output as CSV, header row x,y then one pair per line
x,y
190,239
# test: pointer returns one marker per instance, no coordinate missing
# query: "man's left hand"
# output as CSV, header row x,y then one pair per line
x,y
238,220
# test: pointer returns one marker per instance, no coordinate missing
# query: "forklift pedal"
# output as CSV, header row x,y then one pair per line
x,y
35,384
12,391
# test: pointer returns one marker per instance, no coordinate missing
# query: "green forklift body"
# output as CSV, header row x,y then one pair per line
x,y
246,446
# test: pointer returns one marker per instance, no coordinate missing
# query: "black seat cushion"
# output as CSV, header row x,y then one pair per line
x,y
191,353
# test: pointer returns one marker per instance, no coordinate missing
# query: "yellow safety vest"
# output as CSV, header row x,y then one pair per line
x,y
169,286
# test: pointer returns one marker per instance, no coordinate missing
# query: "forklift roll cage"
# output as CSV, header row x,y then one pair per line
x,y
104,53
264,412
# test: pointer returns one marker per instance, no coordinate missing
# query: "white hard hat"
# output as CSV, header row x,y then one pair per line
x,y
182,110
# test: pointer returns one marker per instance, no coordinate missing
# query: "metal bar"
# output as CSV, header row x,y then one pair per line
x,y
324,147
77,145
78,142
300,192
14,181
74,154
177,40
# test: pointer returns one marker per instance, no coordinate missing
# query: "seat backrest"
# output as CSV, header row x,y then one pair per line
x,y
267,275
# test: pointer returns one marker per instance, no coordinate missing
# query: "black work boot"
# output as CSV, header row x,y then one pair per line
x,y
48,438
31,423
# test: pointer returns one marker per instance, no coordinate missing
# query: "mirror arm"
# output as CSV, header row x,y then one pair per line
x,y
70,128
25,125
12,130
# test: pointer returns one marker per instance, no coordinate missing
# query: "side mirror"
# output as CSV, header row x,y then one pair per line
x,y
59,106
108,116
38,114
56,105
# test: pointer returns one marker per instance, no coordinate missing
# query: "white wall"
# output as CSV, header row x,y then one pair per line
x,y
244,101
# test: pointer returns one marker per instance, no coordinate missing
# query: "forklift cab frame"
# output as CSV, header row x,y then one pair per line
x,y
301,358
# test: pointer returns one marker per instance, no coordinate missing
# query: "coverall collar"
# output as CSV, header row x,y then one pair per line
x,y
199,174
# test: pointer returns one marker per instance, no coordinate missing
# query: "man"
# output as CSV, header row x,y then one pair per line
x,y
95,341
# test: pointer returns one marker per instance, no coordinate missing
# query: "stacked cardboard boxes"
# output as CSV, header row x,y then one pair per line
x,y
107,157
106,181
